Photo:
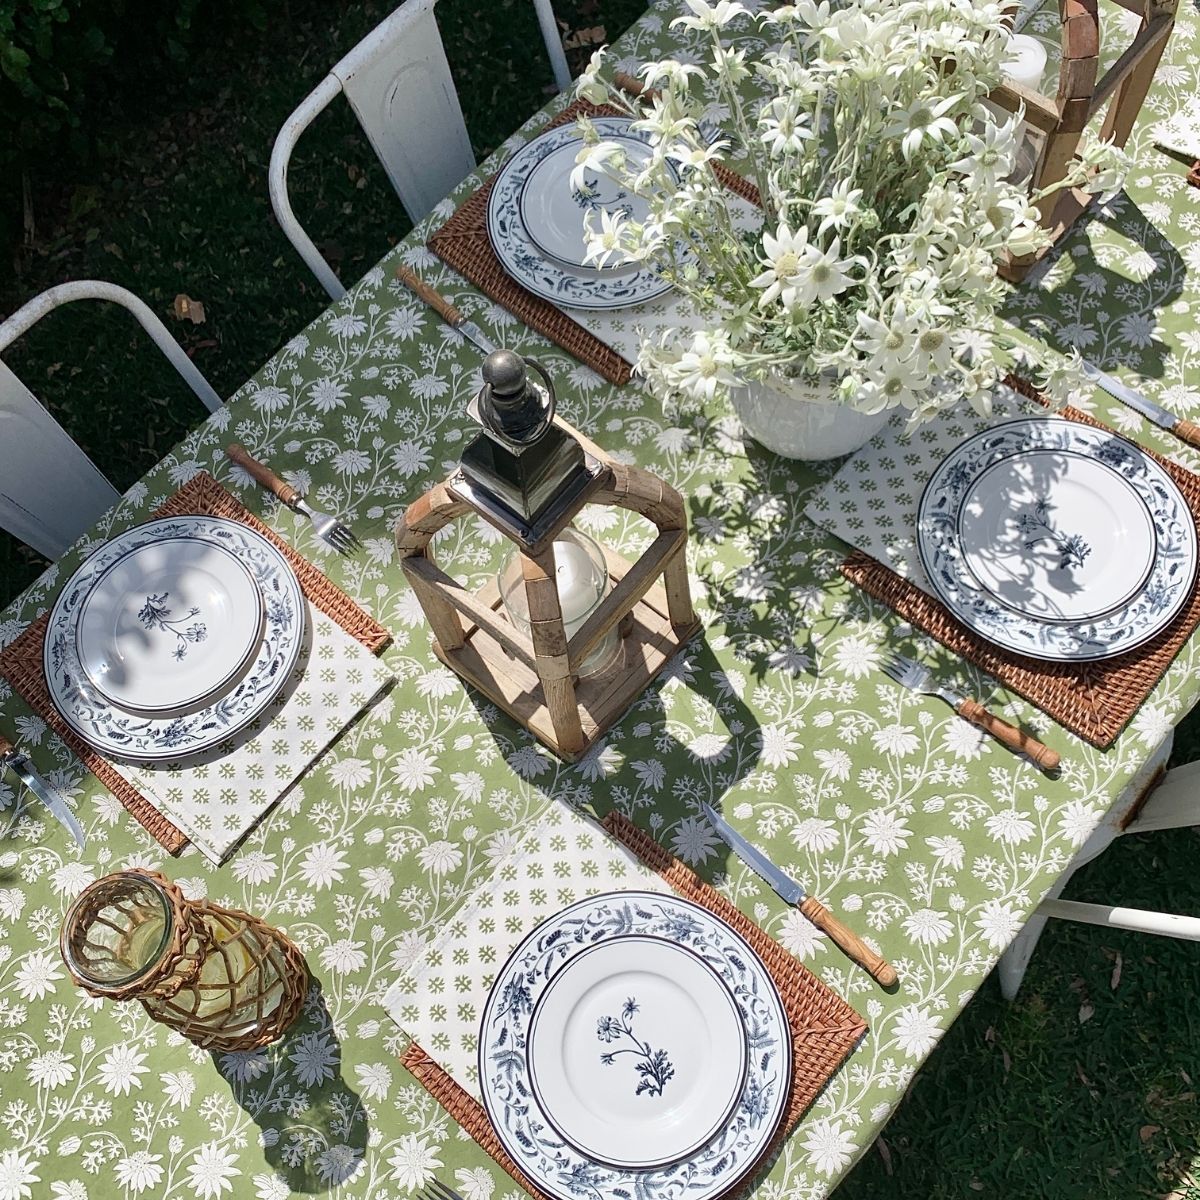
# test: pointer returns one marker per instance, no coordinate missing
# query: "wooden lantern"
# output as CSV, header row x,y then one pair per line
x,y
1080,100
536,678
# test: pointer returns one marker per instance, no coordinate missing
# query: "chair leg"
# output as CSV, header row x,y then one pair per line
x,y
1174,803
1010,970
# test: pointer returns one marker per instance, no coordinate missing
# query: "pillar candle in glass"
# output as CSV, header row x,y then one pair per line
x,y
582,577
1025,64
224,979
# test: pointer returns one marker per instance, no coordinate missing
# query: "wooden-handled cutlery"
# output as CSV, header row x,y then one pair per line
x,y
918,678
328,528
444,309
787,889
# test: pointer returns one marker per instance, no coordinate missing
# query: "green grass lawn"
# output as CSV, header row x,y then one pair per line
x,y
1087,1085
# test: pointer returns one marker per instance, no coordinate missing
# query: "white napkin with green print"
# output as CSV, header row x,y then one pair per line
x,y
217,798
1180,134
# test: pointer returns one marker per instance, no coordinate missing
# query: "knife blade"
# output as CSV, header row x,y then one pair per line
x,y
784,886
1183,429
43,789
794,894
444,309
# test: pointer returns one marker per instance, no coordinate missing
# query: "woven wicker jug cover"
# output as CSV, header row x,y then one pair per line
x,y
1094,700
464,244
21,662
824,1027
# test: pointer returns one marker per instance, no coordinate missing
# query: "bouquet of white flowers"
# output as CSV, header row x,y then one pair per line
x,y
885,194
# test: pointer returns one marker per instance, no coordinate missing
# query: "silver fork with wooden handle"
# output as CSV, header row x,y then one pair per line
x,y
327,528
445,310
918,678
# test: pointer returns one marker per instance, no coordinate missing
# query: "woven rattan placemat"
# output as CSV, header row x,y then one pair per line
x,y
1093,700
824,1027
21,662
464,244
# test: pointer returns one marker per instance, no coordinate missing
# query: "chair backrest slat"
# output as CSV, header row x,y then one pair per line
x,y
399,85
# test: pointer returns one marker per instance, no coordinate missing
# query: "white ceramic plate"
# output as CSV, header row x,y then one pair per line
x,y
169,625
1057,540
510,1058
528,264
637,1053
143,738
552,211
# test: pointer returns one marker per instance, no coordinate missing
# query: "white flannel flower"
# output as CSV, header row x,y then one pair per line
x,y
784,129
703,367
589,85
839,208
923,119
604,244
710,17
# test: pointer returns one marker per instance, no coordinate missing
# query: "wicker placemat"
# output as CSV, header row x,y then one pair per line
x,y
1093,700
824,1027
464,244
21,662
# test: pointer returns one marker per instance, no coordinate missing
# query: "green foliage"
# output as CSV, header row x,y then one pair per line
x,y
64,61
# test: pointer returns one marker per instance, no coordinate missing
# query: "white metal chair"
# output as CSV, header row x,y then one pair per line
x,y
398,83
50,491
1173,803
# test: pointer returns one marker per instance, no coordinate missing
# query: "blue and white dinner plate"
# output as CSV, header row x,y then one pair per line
x,y
634,1045
1057,540
239,691
553,208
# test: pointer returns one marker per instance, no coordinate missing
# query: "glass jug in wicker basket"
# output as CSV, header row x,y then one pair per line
x,y
223,978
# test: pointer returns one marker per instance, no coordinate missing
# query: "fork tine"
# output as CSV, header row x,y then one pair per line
x,y
351,535
338,537
447,1193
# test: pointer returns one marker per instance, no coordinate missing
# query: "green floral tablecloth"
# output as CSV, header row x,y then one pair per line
x,y
936,842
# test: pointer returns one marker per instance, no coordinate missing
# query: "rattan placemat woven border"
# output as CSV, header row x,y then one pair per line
x,y
463,243
824,1027
21,662
1094,700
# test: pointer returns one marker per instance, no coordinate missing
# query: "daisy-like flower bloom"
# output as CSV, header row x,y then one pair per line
x,y
839,208
696,158
604,244
928,926
785,258
923,119
783,128
594,159
703,367
694,840
896,384
710,17
992,151
934,350
827,1146
890,342
588,84
413,1162
827,274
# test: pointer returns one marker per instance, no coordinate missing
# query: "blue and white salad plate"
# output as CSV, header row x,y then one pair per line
x,y
544,256
1057,540
169,624
634,1046
172,637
